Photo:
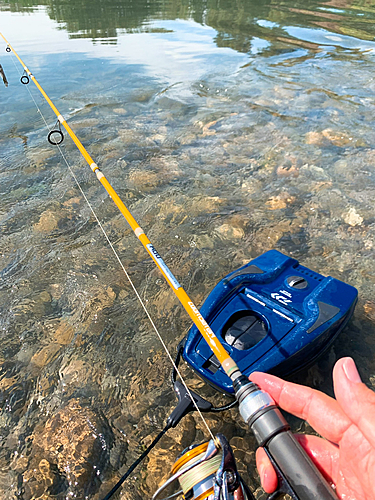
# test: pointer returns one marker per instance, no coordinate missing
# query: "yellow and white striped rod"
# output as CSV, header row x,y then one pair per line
x,y
225,360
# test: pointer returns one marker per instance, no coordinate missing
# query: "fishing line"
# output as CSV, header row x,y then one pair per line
x,y
120,262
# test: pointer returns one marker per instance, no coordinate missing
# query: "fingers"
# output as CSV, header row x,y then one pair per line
x,y
306,403
324,454
267,473
355,399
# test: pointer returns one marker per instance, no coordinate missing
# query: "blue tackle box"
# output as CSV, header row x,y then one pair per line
x,y
272,315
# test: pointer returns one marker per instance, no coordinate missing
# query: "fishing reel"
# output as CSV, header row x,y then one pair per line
x,y
207,472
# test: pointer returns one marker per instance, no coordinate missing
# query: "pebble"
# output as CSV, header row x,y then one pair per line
x,y
187,138
120,111
204,204
337,138
280,201
314,172
130,136
48,222
227,231
352,217
283,171
85,123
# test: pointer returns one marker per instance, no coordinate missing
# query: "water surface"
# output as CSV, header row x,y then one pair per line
x,y
228,128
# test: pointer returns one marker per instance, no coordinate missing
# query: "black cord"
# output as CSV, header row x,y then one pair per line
x,y
249,493
136,463
224,408
177,360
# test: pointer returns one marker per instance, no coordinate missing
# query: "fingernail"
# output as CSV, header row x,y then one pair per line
x,y
351,371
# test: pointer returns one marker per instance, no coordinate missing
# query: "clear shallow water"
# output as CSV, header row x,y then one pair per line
x,y
228,128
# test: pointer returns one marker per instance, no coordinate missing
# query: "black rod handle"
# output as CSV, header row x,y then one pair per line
x,y
298,473
297,469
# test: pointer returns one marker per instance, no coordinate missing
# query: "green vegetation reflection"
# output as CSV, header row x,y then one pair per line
x,y
236,22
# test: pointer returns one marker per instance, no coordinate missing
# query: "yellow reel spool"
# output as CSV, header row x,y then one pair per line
x,y
197,483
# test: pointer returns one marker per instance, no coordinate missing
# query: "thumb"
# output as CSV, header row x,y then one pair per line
x,y
356,400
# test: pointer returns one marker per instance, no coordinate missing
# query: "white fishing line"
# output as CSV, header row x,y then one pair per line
x,y
121,264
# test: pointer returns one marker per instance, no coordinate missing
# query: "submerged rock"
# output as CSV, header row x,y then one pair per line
x,y
75,442
85,123
352,217
39,156
227,231
287,171
48,222
315,138
144,180
161,170
161,459
204,204
120,111
8,484
336,138
45,355
130,136
64,333
280,201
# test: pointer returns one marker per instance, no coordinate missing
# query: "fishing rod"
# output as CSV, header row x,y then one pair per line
x,y
297,474
2,74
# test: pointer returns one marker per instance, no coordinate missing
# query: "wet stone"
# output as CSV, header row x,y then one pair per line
x,y
314,172
77,441
280,201
352,218
77,372
64,333
251,186
48,222
45,355
35,307
336,138
227,231
369,310
162,459
201,241
160,171
74,202
204,204
143,95
188,138
120,111
144,180
39,156
129,136
159,138
118,454
86,123
287,171
170,104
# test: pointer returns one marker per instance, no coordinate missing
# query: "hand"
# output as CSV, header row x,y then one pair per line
x,y
346,457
